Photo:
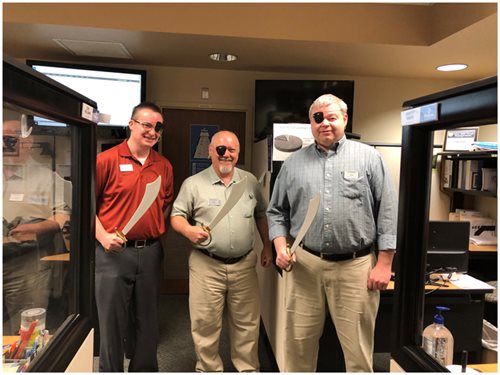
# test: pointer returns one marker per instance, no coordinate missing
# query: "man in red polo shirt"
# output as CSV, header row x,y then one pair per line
x,y
127,273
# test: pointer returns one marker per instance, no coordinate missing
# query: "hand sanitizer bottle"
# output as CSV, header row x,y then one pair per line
x,y
438,340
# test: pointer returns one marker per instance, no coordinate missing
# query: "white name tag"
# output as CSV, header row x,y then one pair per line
x,y
38,199
16,197
126,167
351,175
213,202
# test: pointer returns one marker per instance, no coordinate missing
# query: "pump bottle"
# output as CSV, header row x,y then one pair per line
x,y
438,340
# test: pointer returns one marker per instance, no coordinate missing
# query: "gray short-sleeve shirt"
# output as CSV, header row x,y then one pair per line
x,y
201,197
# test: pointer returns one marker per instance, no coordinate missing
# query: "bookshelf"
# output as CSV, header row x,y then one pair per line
x,y
468,173
462,179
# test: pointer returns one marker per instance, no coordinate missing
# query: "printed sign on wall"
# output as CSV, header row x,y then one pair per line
x,y
200,136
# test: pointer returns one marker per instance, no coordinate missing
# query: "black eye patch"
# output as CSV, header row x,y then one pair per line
x,y
318,117
221,150
158,127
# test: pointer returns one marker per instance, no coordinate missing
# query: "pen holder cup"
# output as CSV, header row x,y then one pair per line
x,y
27,317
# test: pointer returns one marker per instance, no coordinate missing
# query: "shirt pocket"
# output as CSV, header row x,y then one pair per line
x,y
352,187
248,203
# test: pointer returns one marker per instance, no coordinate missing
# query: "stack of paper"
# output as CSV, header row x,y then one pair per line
x,y
484,146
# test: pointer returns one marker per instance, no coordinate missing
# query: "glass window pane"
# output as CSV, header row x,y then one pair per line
x,y
37,195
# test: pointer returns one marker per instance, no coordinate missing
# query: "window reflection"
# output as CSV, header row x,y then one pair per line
x,y
36,234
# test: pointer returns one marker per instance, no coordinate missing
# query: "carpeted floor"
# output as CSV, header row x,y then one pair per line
x,y
176,351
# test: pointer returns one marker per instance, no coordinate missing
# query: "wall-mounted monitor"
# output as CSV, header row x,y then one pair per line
x,y
288,101
115,90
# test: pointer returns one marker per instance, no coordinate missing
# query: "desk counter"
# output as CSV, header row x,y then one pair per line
x,y
485,367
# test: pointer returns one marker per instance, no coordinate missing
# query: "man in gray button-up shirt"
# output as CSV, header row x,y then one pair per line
x,y
335,263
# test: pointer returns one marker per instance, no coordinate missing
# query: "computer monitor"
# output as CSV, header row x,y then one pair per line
x,y
448,246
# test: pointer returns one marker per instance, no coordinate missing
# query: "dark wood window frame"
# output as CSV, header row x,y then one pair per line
x,y
28,91
473,104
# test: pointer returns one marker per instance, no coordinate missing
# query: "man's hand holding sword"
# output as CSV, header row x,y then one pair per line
x,y
115,242
286,255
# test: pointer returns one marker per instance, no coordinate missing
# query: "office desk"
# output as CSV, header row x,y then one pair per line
x,y
485,367
57,258
9,340
483,262
464,320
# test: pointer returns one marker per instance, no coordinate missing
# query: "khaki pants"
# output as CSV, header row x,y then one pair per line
x,y
213,284
314,284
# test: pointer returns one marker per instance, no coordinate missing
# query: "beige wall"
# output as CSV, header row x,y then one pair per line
x,y
377,102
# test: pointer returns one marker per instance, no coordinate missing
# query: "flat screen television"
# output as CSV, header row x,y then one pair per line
x,y
288,101
115,90
448,246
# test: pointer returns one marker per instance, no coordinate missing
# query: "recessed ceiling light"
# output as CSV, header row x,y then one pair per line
x,y
223,57
451,67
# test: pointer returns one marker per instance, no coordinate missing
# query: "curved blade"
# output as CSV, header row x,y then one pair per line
x,y
310,214
237,191
149,197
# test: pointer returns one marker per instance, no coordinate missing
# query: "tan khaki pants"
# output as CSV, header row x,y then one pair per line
x,y
213,284
314,284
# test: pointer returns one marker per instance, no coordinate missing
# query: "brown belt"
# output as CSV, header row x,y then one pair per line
x,y
339,257
224,260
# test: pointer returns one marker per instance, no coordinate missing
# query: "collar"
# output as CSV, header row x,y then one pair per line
x,y
124,151
214,179
334,147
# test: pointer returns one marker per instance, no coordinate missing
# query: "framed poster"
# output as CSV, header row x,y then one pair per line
x,y
200,137
460,139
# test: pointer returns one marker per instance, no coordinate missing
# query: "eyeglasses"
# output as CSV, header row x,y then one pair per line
x,y
10,141
158,128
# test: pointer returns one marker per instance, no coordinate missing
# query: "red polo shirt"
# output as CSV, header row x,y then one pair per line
x,y
120,185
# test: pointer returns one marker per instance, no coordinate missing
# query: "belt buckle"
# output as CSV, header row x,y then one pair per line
x,y
354,255
140,244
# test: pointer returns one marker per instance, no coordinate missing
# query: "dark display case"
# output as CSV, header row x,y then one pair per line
x,y
48,220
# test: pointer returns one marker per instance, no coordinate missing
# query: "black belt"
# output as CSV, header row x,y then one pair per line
x,y
224,260
338,257
139,244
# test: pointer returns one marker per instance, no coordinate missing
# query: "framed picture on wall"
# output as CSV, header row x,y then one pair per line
x,y
460,139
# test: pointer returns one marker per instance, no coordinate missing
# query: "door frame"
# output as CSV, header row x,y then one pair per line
x,y
249,118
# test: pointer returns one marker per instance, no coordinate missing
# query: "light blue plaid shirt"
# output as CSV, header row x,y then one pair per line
x,y
358,203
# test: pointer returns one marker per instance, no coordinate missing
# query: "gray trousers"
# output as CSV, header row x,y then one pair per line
x,y
124,281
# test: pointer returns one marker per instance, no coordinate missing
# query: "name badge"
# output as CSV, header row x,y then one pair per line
x,y
126,167
38,199
351,175
213,202
16,197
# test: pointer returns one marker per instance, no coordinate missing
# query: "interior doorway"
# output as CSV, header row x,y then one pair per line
x,y
177,146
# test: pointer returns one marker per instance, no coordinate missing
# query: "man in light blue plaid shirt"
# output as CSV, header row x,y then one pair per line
x,y
345,257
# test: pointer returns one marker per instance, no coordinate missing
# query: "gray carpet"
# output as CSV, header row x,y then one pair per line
x,y
176,350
